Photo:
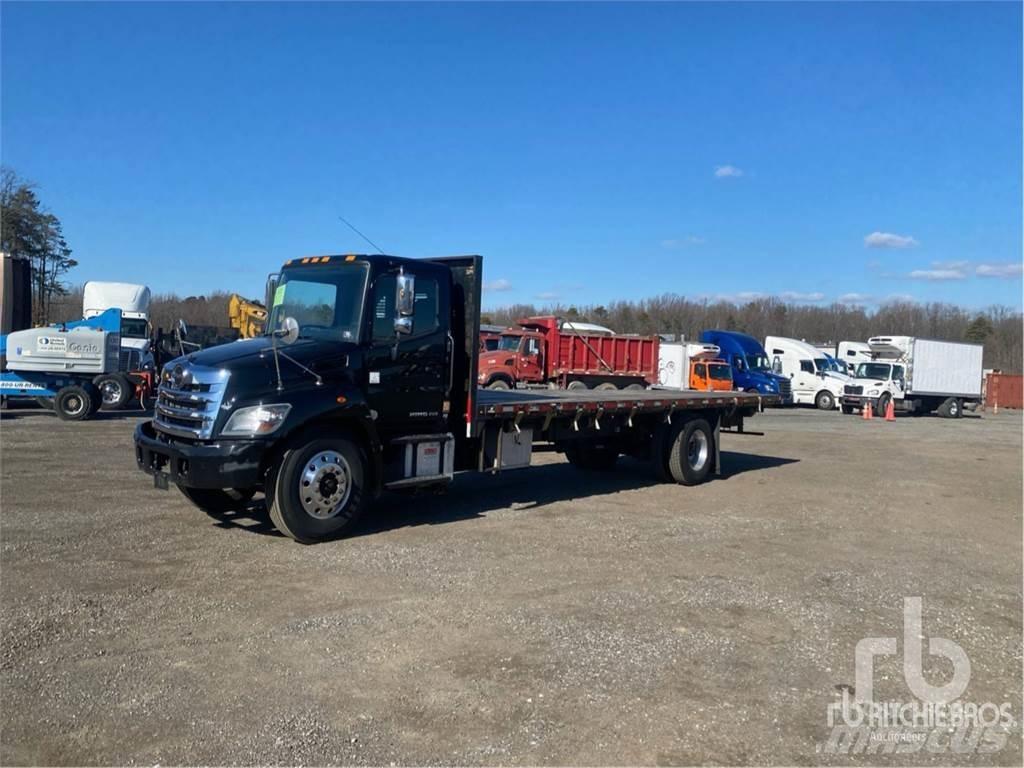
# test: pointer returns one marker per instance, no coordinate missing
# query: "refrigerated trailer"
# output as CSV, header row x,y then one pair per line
x,y
367,381
917,376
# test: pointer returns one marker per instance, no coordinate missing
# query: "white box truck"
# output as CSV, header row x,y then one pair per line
x,y
813,378
917,376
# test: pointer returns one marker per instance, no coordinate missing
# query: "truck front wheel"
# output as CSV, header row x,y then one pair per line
x,y
825,401
882,405
77,403
692,452
319,491
115,389
218,501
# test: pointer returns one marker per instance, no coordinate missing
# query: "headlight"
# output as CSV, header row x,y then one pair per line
x,y
872,392
256,420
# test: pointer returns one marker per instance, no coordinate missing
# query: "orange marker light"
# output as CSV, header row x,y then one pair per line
x,y
350,258
341,399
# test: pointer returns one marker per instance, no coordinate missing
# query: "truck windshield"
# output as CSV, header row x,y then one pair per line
x,y
509,343
758,363
327,302
720,371
134,328
873,371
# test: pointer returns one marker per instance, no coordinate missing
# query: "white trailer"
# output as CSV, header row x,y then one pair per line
x,y
918,376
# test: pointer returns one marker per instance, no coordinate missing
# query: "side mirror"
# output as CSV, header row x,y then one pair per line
x,y
288,332
405,298
273,279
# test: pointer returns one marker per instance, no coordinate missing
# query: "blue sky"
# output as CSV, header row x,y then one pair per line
x,y
589,152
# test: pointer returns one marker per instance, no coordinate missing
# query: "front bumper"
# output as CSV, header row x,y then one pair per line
x,y
858,401
225,464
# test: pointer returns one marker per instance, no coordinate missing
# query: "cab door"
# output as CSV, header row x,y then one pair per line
x,y
529,359
805,381
407,373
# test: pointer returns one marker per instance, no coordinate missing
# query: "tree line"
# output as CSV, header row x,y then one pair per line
x,y
1000,329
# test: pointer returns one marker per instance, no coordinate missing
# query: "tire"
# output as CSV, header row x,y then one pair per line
x,y
320,489
881,404
76,403
635,387
606,386
692,453
219,501
848,409
115,390
498,384
590,458
951,408
825,401
576,385
45,402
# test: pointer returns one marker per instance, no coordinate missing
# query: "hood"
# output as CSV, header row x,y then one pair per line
x,y
255,355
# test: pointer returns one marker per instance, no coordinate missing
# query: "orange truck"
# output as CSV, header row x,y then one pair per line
x,y
693,365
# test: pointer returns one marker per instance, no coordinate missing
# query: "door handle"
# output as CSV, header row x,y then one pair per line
x,y
450,345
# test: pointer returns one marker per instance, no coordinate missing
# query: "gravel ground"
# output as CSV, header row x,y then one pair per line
x,y
546,616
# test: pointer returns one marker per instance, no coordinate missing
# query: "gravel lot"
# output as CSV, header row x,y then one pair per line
x,y
546,616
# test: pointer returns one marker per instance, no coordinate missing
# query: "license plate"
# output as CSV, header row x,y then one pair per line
x,y
161,481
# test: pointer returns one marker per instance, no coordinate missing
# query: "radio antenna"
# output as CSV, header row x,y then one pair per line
x,y
345,222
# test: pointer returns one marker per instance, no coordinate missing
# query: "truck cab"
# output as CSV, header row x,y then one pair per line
x,y
812,376
517,357
853,353
751,368
133,302
875,382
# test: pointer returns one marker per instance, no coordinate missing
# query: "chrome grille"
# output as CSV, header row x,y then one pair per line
x,y
853,389
131,359
785,387
188,400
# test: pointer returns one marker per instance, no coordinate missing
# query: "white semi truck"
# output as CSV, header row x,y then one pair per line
x,y
853,353
917,376
812,375
136,343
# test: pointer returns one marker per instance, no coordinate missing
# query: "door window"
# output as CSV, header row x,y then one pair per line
x,y
806,366
425,314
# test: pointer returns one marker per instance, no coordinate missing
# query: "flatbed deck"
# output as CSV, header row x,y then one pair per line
x,y
502,403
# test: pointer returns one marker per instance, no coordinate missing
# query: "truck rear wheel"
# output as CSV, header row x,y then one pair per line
x,y
218,501
320,489
76,402
691,455
591,458
498,384
606,386
951,408
576,385
115,390
824,400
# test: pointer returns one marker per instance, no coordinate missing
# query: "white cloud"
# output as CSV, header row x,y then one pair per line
x,y
496,286
682,242
1013,269
727,172
797,296
938,274
855,298
547,296
888,240
961,265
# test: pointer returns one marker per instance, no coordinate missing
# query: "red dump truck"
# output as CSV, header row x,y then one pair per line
x,y
551,352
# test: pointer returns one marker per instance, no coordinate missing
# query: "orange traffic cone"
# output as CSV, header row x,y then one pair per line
x,y
866,411
890,411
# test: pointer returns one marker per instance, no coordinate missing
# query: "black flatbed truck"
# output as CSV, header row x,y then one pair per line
x,y
366,381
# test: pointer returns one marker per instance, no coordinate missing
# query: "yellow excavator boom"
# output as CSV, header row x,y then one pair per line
x,y
249,317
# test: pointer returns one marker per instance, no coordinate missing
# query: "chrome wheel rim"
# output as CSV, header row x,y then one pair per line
x,y
111,391
697,450
325,485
